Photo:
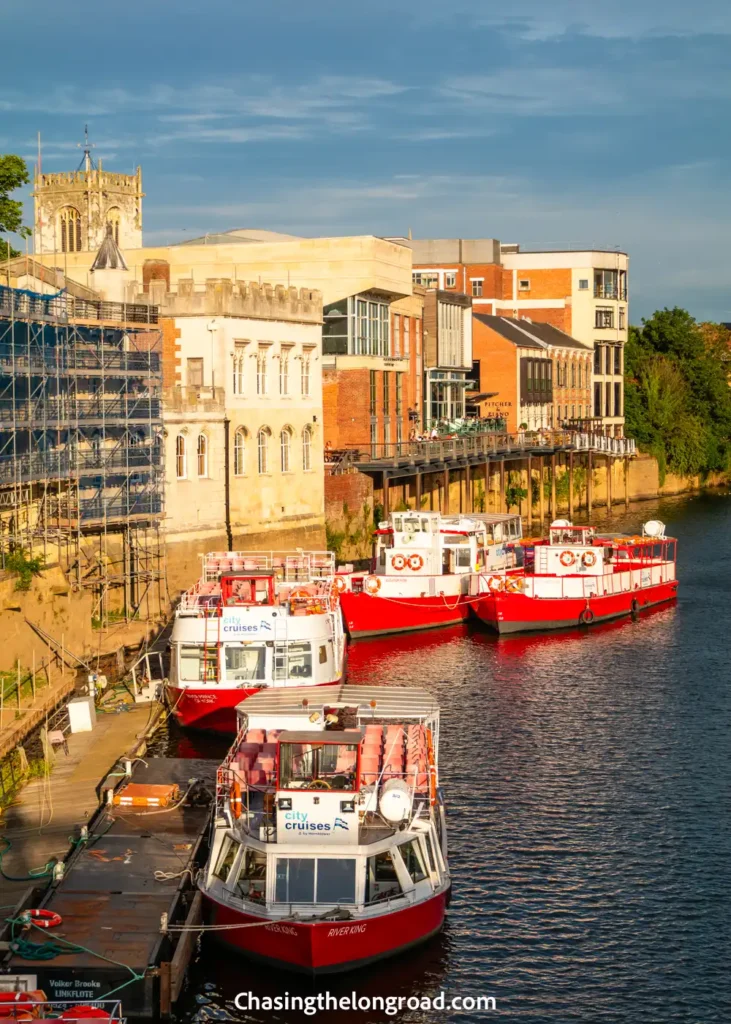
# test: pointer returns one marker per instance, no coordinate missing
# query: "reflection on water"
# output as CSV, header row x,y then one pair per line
x,y
587,776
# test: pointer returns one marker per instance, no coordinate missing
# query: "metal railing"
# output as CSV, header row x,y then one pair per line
x,y
68,461
15,302
63,359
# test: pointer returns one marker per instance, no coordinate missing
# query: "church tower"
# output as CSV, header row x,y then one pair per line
x,y
74,208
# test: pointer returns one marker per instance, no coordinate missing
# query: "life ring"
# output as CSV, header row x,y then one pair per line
x,y
340,585
372,585
587,617
514,584
85,1012
398,562
43,918
635,606
415,562
567,558
495,584
299,594
21,1005
236,806
589,559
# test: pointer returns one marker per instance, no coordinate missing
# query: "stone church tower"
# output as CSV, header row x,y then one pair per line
x,y
73,209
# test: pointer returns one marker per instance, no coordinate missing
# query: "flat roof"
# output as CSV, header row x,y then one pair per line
x,y
380,701
326,736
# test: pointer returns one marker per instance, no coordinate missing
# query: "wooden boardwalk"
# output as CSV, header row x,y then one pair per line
x,y
48,811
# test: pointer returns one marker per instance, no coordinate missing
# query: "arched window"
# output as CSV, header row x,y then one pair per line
x,y
202,455
263,449
285,446
113,219
307,449
69,227
240,452
181,461
305,375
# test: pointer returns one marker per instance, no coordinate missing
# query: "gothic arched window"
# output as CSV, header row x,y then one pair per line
x,y
113,218
69,223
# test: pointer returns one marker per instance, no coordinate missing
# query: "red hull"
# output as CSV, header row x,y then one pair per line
x,y
330,947
365,615
215,712
516,613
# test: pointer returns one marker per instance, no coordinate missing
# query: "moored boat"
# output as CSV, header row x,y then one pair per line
x,y
329,845
253,620
421,570
578,578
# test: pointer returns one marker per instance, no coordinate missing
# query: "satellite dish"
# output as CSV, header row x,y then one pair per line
x,y
654,528
395,801
558,523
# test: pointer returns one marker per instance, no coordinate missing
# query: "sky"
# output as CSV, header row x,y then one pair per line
x,y
544,123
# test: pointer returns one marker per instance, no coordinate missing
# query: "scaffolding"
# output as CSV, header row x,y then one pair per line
x,y
81,445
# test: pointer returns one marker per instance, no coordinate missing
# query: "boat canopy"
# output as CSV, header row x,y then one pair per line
x,y
382,702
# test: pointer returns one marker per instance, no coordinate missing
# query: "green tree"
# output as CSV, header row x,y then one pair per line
x,y
13,174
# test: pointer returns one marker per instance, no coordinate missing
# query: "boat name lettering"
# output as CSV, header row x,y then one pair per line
x,y
352,929
242,627
75,981
298,821
280,929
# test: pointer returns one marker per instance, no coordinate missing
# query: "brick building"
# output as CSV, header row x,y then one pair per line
x,y
531,373
447,355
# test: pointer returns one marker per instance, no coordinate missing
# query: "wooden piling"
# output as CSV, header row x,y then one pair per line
x,y
554,512
468,487
503,506
626,481
571,486
588,482
530,493
541,490
610,468
445,510
418,490
385,497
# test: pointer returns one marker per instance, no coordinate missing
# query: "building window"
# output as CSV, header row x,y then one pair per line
x,y
622,318
261,372
597,399
618,359
194,373
284,372
425,280
606,284
524,285
477,287
573,376
285,448
583,284
374,436
202,453
386,392
240,452
263,449
604,317
181,467
305,375
399,393
608,360
307,449
608,399
69,222
372,392
598,358
113,219
397,336
238,367
407,336
450,280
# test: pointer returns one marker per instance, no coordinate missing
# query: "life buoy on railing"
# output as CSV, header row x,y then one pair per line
x,y
22,1005
567,558
513,584
85,1012
495,584
236,805
339,585
398,562
589,559
43,918
299,594
372,585
586,617
415,562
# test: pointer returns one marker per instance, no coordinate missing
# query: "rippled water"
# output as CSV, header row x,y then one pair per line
x,y
588,780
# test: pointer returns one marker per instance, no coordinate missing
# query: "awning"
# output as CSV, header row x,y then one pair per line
x,y
481,397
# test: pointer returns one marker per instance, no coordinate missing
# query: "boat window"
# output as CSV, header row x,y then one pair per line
x,y
198,664
335,880
381,880
382,557
411,525
488,533
323,654
498,532
293,661
412,861
456,538
252,881
463,558
513,529
295,880
245,662
430,853
397,523
226,858
317,766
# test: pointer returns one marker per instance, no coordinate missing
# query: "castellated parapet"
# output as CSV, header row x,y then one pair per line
x,y
74,208
222,296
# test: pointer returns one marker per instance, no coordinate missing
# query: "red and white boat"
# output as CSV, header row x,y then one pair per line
x,y
578,577
329,840
253,621
422,569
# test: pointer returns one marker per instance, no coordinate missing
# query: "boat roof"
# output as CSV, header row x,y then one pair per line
x,y
382,701
326,736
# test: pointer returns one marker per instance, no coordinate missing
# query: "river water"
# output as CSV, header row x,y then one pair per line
x,y
588,782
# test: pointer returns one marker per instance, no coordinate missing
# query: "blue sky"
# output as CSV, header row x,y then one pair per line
x,y
533,122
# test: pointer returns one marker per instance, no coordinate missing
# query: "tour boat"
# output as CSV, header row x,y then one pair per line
x,y
253,621
421,570
329,842
578,577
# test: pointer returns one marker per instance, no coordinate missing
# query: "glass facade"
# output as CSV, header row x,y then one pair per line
x,y
358,325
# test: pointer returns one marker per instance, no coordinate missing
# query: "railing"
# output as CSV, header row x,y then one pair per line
x,y
15,302
68,409
479,445
68,461
64,359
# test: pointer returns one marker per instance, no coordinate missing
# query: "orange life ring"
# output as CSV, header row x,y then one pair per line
x,y
416,562
85,1012
514,584
21,1005
236,805
398,562
299,594
372,585
340,585
567,558
495,584
43,918
589,559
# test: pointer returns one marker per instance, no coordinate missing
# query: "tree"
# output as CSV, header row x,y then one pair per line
x,y
13,174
